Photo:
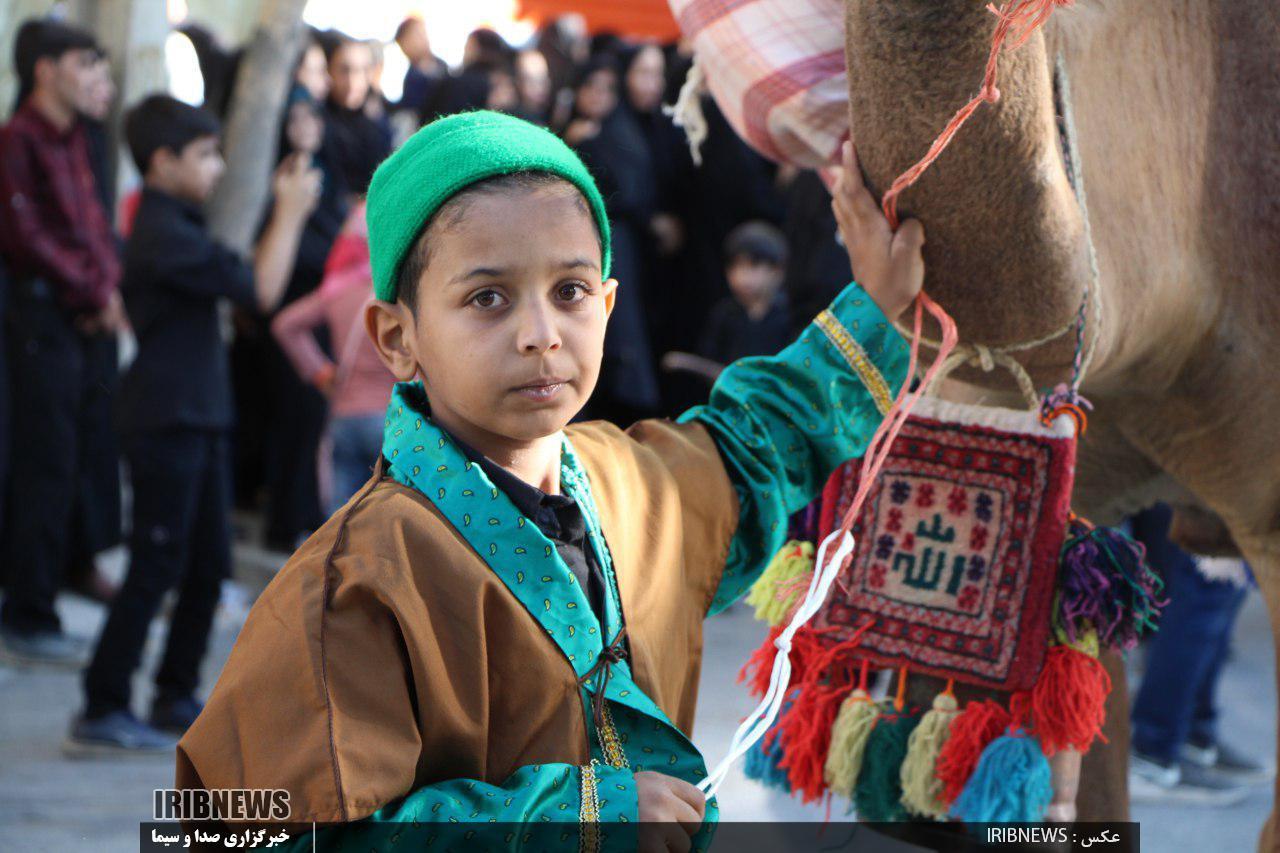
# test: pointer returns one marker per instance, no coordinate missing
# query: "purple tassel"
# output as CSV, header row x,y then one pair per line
x,y
1105,580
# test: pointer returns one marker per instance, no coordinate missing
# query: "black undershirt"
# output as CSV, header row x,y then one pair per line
x,y
558,517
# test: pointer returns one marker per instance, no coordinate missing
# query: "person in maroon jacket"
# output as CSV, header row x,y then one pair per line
x,y
64,303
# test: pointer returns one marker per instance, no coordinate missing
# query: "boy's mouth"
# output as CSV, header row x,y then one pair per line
x,y
542,390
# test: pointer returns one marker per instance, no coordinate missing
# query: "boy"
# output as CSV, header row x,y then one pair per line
x,y
175,410
505,624
754,319
64,311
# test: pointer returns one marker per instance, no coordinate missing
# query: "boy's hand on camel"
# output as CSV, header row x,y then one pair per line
x,y
671,812
888,264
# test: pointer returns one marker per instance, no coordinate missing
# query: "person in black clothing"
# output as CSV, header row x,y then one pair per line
x,y
643,82
358,141
614,149
174,413
96,519
296,410
426,70
817,266
755,320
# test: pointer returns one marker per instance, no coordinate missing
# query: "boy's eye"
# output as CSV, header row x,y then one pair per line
x,y
486,299
572,291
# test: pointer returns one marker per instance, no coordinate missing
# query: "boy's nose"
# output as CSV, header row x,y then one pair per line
x,y
538,331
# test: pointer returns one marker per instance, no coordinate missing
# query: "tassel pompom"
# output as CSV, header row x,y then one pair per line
x,y
1012,783
759,667
783,583
806,733
877,796
806,729
977,725
849,734
1105,581
761,762
1069,698
921,788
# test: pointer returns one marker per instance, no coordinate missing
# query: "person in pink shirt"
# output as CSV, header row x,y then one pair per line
x,y
355,380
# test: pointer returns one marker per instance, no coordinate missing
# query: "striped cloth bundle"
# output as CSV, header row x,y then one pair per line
x,y
776,69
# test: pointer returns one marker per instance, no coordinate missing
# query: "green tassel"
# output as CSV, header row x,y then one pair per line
x,y
854,721
878,794
921,789
770,596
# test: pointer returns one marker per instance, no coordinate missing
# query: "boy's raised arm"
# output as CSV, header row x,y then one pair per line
x,y
783,423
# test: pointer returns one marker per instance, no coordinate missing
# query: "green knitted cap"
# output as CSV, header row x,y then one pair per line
x,y
446,157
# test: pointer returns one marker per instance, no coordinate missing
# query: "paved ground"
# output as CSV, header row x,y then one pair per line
x,y
49,803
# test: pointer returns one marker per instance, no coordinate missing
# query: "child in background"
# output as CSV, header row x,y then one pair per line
x,y
358,384
175,411
755,319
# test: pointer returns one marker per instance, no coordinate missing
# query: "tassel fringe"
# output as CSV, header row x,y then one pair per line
x,y
878,793
849,734
976,726
1105,581
921,788
783,583
1012,783
1069,698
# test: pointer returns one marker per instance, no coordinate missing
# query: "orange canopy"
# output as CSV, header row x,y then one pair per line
x,y
635,18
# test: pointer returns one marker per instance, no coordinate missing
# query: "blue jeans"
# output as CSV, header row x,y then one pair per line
x,y
1176,701
355,443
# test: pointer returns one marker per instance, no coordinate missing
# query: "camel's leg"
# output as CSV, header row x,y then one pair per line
x,y
1263,554
1104,775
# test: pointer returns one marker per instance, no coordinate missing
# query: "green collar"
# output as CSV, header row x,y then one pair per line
x,y
423,457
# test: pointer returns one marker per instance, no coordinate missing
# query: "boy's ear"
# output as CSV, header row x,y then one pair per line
x,y
610,296
390,327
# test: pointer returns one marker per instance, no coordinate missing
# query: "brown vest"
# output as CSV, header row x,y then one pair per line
x,y
386,655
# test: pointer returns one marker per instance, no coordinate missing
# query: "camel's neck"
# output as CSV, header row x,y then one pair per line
x,y
1143,82
1006,249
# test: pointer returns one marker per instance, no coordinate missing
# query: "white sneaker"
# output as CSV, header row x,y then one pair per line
x,y
1152,781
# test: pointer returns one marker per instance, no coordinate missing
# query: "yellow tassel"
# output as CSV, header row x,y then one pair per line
x,y
921,790
854,721
770,596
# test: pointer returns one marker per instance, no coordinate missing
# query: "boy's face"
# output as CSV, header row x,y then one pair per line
x,y
194,173
753,280
71,78
351,73
509,324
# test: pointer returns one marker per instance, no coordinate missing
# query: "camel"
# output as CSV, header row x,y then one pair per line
x,y
1177,106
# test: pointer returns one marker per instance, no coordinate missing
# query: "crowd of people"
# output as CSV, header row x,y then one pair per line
x,y
275,407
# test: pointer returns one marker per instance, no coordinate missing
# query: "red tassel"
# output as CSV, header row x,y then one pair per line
x,y
1067,703
759,666
978,724
806,646
806,727
806,737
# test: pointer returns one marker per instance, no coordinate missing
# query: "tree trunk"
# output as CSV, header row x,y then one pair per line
x,y
253,124
134,34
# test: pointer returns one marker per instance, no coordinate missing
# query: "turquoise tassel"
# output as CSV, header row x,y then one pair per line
x,y
1012,783
761,762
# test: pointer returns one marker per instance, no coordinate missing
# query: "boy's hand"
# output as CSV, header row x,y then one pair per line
x,y
296,186
671,812
888,264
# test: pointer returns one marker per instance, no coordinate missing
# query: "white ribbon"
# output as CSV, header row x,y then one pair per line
x,y
758,721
